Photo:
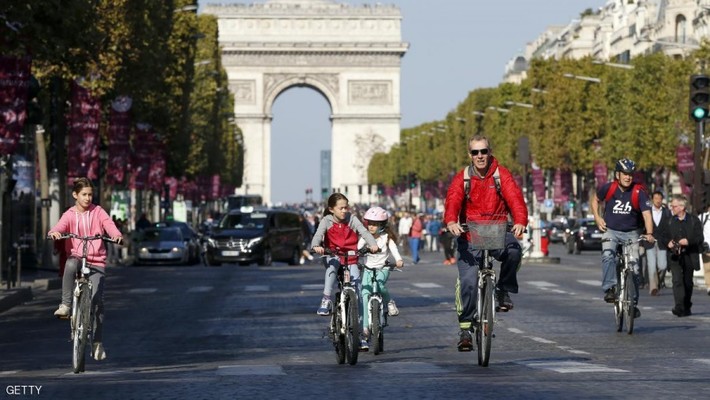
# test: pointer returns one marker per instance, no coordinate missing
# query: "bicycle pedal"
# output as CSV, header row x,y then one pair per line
x,y
63,316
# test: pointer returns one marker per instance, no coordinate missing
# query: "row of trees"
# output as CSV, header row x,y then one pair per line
x,y
571,121
160,53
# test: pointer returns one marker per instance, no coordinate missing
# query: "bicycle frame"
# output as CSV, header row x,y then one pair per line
x,y
624,307
81,327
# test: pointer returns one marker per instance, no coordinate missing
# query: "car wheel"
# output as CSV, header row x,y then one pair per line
x,y
295,257
266,259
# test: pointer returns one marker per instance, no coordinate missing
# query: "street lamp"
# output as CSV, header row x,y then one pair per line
x,y
515,103
503,110
582,78
611,64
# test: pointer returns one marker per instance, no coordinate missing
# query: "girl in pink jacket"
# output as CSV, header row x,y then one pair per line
x,y
86,219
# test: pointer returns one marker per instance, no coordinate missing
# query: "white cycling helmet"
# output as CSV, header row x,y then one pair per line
x,y
377,214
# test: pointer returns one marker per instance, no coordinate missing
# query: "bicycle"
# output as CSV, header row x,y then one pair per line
x,y
485,236
344,328
377,318
82,319
624,307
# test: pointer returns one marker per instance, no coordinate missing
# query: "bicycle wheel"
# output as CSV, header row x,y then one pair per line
x,y
484,331
82,328
376,326
629,301
352,333
336,322
619,307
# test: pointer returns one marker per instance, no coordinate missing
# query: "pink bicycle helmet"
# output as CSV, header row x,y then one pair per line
x,y
376,214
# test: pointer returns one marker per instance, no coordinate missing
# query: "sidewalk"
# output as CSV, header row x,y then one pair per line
x,y
33,280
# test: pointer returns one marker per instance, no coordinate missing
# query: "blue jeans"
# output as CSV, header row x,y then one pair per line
x,y
414,246
609,261
468,261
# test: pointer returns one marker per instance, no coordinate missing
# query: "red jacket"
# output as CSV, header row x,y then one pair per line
x,y
484,203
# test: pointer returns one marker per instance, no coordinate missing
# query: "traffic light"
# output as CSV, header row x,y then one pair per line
x,y
699,97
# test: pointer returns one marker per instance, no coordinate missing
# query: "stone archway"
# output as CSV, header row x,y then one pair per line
x,y
349,54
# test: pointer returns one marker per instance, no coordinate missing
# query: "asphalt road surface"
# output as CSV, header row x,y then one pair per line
x,y
251,332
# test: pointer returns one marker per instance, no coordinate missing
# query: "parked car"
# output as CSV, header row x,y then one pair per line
x,y
558,232
162,245
189,235
260,235
584,235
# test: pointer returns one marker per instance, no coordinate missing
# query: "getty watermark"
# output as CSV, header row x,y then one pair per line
x,y
23,390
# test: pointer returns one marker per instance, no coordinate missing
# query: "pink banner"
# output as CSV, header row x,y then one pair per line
x,y
14,87
119,147
538,182
142,153
172,186
600,173
562,186
684,160
84,120
215,187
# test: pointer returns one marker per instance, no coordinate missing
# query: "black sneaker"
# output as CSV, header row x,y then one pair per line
x,y
465,341
637,312
503,300
610,295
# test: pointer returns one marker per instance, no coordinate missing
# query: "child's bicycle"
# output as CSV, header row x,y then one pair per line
x,y
377,318
82,319
345,319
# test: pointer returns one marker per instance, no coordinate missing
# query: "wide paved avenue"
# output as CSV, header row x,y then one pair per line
x,y
252,333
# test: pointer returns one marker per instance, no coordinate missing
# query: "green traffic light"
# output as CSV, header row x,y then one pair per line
x,y
699,113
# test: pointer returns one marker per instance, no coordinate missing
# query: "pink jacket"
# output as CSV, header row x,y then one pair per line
x,y
94,221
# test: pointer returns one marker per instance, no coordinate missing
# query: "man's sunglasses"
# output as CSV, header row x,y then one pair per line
x,y
475,152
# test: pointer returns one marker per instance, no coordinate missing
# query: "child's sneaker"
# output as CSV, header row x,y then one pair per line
x,y
326,305
62,311
392,308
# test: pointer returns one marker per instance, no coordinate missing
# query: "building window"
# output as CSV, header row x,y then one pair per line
x,y
681,27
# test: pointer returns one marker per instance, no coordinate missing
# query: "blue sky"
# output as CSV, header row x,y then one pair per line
x,y
456,46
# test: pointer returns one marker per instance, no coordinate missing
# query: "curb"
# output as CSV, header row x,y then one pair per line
x,y
13,297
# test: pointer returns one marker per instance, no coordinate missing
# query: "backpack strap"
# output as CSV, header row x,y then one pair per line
x,y
467,181
635,189
611,191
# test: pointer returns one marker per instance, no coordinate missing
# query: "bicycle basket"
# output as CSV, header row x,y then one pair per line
x,y
487,235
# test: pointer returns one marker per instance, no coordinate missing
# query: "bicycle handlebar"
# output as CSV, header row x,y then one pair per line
x,y
347,253
84,238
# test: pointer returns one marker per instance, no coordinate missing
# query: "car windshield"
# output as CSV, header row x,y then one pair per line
x,y
253,220
162,235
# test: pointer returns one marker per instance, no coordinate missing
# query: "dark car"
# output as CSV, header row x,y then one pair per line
x,y
584,235
162,246
558,232
260,235
191,238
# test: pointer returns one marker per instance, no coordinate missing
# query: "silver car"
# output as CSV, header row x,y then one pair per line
x,y
162,246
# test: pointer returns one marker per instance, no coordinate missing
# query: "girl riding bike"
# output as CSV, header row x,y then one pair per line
x,y
338,231
376,220
86,219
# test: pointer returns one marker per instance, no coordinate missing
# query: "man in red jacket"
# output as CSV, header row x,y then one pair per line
x,y
493,194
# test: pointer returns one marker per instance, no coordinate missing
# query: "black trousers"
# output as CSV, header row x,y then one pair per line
x,y
682,283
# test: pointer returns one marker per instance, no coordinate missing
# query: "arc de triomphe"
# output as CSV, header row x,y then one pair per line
x,y
349,54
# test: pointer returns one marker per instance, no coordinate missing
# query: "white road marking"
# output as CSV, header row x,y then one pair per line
x,y
572,350
703,360
312,286
542,284
590,282
540,340
515,330
142,290
8,372
233,370
426,285
199,289
570,367
256,288
407,368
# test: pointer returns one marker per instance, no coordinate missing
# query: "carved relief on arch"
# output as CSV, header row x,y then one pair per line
x,y
327,83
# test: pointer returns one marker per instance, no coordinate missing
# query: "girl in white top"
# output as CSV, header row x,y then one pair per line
x,y
376,220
